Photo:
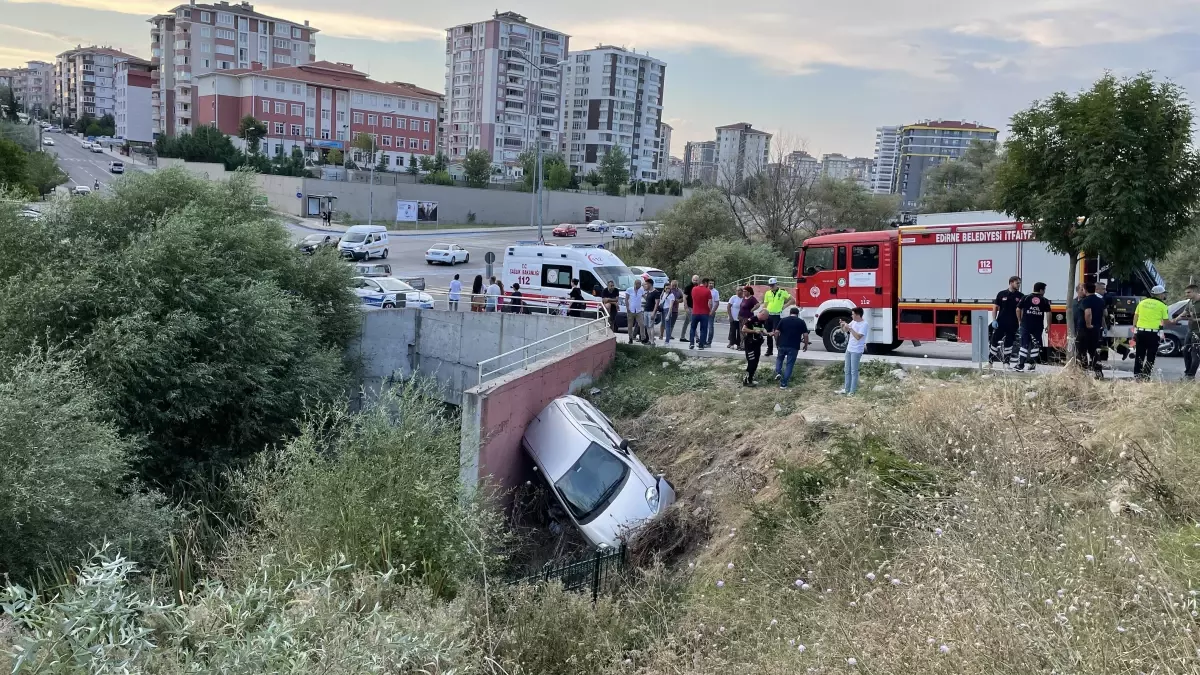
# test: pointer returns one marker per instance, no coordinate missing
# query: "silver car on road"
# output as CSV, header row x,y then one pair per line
x,y
603,487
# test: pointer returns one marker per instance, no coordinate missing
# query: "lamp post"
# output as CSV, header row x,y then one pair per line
x,y
371,190
537,178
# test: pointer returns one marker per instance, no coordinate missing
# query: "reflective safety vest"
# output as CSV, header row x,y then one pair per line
x,y
775,299
1151,313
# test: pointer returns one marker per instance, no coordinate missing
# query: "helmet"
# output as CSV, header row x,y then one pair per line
x,y
1158,290
772,281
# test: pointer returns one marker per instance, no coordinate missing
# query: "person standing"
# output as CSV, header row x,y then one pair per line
x,y
515,304
477,294
611,297
1091,334
1080,327
651,310
713,306
753,332
493,295
791,336
635,296
687,307
1148,319
750,305
455,293
1034,310
776,299
1191,347
1006,322
856,345
671,299
577,303
735,312
701,305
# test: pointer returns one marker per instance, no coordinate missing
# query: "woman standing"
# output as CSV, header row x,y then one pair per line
x,y
477,294
856,331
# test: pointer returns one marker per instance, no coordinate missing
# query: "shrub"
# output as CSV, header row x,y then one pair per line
x,y
726,261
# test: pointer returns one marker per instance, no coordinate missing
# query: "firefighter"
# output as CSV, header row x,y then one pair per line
x,y
1005,322
1033,310
1148,319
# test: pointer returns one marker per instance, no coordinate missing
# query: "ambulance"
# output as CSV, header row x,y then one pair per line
x,y
545,273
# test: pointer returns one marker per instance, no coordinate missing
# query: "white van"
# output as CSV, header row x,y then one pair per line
x,y
547,271
362,242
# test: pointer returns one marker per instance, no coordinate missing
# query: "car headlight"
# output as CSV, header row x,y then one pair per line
x,y
652,498
359,248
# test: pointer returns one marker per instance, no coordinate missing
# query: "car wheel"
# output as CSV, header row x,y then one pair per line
x,y
384,256
388,305
428,262
467,259
1169,346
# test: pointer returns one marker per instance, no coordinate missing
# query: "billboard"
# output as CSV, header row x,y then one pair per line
x,y
416,212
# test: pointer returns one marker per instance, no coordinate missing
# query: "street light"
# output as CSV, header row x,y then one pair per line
x,y
537,179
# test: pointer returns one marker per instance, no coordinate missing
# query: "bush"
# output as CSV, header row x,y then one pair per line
x,y
685,226
64,466
727,261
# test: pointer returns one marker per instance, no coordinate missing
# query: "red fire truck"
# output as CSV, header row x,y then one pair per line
x,y
920,282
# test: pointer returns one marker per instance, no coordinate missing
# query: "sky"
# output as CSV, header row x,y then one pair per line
x,y
820,75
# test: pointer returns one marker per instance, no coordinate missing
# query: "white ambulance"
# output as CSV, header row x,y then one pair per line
x,y
545,274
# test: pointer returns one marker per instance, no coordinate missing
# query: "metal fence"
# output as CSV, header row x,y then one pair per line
x,y
521,357
597,573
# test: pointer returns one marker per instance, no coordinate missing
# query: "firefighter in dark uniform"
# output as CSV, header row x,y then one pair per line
x,y
1005,325
1033,312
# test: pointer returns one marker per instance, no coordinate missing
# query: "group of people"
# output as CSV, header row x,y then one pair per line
x,y
487,298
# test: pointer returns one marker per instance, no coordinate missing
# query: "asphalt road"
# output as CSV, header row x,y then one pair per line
x,y
84,166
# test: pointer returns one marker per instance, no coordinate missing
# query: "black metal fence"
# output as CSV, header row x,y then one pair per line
x,y
596,573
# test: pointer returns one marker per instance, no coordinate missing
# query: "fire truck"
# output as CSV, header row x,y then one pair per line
x,y
921,282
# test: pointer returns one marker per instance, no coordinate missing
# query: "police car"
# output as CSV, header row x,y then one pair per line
x,y
389,292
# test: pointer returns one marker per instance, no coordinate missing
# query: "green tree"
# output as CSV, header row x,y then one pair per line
x,y
8,102
440,162
252,131
1109,171
382,164
85,120
593,178
965,184
413,168
334,157
23,135
43,173
205,144
1182,266
203,329
477,168
367,145
438,178
684,227
559,176
614,170
843,204
13,165
727,260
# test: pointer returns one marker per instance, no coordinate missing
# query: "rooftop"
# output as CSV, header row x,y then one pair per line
x,y
329,74
241,8
743,126
949,124
108,51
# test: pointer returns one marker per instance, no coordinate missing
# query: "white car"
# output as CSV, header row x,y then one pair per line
x,y
116,166
389,292
622,232
447,254
656,275
597,226
605,490
96,147
48,141
81,190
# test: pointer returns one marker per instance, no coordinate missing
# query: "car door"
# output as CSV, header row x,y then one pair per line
x,y
460,253
369,292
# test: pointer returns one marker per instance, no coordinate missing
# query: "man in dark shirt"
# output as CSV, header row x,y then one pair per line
x,y
650,306
1091,333
578,305
611,297
515,304
790,333
754,331
1005,325
1034,310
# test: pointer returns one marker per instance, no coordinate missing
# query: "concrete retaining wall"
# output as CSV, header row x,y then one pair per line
x,y
495,414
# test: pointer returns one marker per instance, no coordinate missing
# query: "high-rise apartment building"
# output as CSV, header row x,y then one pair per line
x,y
927,144
887,158
503,89
612,97
700,162
840,167
133,110
195,39
85,81
664,148
742,152
32,86
802,164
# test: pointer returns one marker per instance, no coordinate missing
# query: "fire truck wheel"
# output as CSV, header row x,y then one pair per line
x,y
834,339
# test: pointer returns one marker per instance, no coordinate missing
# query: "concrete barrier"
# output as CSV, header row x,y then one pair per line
x,y
495,414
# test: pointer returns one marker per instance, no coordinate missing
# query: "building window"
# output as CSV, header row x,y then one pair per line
x,y
280,108
399,141
426,126
325,135
310,111
358,118
386,141
373,99
266,106
358,98
308,131
295,129
266,85
399,158
296,89
425,145
279,128
325,113
225,19
372,120
341,115
412,143
280,87
205,17
401,123
297,110
387,121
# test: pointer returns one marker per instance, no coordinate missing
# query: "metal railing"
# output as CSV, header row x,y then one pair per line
x,y
756,280
596,572
521,357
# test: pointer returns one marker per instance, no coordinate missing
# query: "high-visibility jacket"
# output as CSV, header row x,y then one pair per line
x,y
774,300
1151,313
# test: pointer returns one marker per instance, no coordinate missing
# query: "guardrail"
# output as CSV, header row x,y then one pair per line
x,y
597,573
756,280
521,357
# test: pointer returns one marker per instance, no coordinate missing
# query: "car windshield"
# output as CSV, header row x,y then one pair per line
x,y
354,237
591,482
622,276
440,247
394,285
314,238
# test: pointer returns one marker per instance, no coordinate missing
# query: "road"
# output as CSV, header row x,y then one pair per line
x,y
84,166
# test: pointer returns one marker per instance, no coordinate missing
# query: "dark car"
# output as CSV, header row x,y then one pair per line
x,y
313,242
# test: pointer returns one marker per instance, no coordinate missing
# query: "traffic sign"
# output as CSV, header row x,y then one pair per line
x,y
489,257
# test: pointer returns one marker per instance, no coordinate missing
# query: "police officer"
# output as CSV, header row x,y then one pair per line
x,y
776,300
1191,348
1148,319
1006,322
1033,310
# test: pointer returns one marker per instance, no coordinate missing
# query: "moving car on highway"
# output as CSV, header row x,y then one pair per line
x,y
361,242
622,232
79,190
605,489
564,230
48,141
95,147
389,292
313,242
597,226
116,166
447,254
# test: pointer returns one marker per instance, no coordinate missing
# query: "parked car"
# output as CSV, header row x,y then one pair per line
x,y
622,232
81,190
389,292
95,147
658,276
447,254
48,141
606,491
564,230
597,226
313,242
1174,337
116,167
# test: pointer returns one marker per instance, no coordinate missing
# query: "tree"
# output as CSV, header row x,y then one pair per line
x,y
8,101
685,226
382,164
43,173
413,168
964,184
1182,266
477,168
727,260
843,204
203,330
439,161
593,178
1111,171
438,178
614,170
23,135
367,144
12,165
335,157
205,144
426,163
252,131
558,177
85,120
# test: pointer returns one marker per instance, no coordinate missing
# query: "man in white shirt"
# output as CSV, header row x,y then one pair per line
x,y
712,312
493,295
455,293
735,307
635,298
856,335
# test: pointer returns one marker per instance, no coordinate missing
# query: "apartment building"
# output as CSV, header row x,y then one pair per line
x,y
85,81
927,144
840,167
321,106
887,158
196,39
664,149
133,109
32,86
802,164
700,162
612,97
503,89
742,152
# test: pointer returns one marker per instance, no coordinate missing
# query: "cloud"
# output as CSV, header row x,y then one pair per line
x,y
35,33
